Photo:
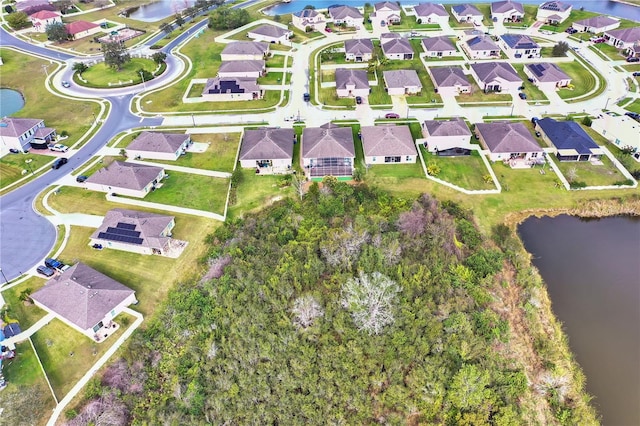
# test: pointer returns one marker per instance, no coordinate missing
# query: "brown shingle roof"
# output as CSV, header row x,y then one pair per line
x,y
327,142
401,79
505,137
158,142
125,175
150,226
245,48
348,76
267,144
387,140
82,295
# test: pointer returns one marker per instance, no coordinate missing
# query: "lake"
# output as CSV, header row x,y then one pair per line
x,y
11,101
160,9
592,271
607,7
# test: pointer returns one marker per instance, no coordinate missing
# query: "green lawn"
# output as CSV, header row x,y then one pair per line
x,y
256,191
582,80
408,23
632,67
275,61
530,89
196,89
191,191
468,172
592,175
273,78
379,95
477,95
428,89
12,166
26,313
634,106
608,51
529,17
394,172
67,354
104,162
328,96
100,75
219,156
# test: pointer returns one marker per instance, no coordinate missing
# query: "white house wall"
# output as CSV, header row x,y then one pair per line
x,y
344,93
447,142
226,97
379,159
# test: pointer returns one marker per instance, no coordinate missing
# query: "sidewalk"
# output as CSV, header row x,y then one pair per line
x,y
11,341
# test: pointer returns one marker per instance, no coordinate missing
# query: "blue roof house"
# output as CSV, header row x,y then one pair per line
x,y
570,141
519,46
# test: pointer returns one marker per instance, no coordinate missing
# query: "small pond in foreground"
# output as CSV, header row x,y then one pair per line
x,y
592,271
11,101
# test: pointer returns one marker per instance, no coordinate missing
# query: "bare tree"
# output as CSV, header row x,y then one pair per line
x,y
298,184
572,174
305,310
371,300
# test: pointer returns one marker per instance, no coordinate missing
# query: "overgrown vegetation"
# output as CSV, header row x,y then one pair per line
x,y
285,328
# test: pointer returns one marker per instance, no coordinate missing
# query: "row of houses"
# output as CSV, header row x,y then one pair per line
x,y
76,29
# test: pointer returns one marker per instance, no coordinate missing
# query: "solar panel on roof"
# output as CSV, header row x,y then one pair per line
x,y
121,238
125,232
537,69
126,226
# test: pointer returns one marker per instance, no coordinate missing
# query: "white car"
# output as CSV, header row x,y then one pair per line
x,y
59,147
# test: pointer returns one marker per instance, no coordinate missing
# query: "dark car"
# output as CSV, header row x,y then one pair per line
x,y
53,263
81,178
306,97
636,74
538,134
66,84
45,270
59,163
522,95
14,151
633,59
534,120
358,100
391,115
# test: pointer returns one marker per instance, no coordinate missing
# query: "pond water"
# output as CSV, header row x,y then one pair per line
x,y
158,10
11,101
613,8
592,271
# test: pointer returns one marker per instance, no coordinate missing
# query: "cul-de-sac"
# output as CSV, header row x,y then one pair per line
x,y
304,212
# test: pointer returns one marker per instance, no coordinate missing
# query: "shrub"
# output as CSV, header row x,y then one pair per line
x,y
433,169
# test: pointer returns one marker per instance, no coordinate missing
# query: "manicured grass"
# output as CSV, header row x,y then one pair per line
x,y
273,78
632,67
191,191
634,106
100,75
408,23
530,89
219,156
327,75
379,95
104,162
582,80
275,61
256,191
591,174
328,96
24,73
24,369
467,171
26,314
67,355
428,90
12,166
196,90
477,95
528,20
397,172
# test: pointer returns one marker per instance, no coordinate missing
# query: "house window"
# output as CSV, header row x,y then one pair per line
x,y
395,159
534,154
113,313
408,158
97,327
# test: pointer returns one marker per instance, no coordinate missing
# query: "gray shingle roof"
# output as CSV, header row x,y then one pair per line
x,y
489,71
150,226
547,72
158,142
327,142
627,35
245,48
556,6
82,295
242,66
449,77
506,6
505,137
269,31
426,9
348,76
466,9
482,42
401,79
438,44
386,4
454,127
597,21
267,144
358,46
14,127
397,45
387,140
125,175
342,12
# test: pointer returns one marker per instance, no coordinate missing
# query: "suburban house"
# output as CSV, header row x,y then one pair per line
x,y
570,141
82,29
24,133
267,150
352,82
358,49
553,12
507,11
450,81
481,47
596,24
387,11
496,77
85,299
220,89
430,13
624,38
388,144
328,150
270,34
159,145
43,18
135,231
510,142
248,68
467,13
396,47
518,46
32,6
633,51
129,179
622,131
447,137
435,47
348,15
244,51
402,82
547,76
309,18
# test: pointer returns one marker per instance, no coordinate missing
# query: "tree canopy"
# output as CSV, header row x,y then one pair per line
x,y
115,54
57,31
225,18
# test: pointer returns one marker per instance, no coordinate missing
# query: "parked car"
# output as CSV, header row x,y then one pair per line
x,y
58,147
45,270
636,74
327,29
358,100
391,115
81,178
383,23
306,97
597,39
571,30
633,115
534,120
633,59
14,151
59,163
522,95
66,84
55,264
97,246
